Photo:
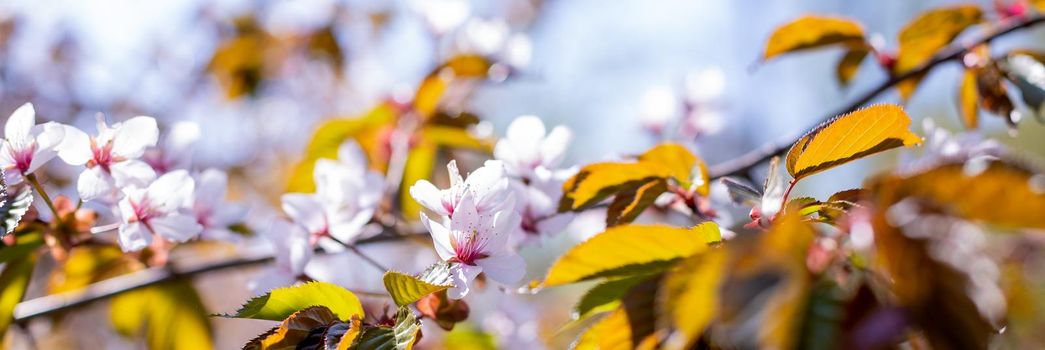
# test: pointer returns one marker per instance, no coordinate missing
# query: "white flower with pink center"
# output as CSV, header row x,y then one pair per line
x,y
26,145
111,156
162,208
476,243
488,184
293,252
211,209
527,146
347,194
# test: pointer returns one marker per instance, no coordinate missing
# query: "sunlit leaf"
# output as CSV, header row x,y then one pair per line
x,y
13,281
969,100
628,205
690,294
342,335
784,247
811,32
446,312
997,193
469,338
598,181
630,250
171,314
402,336
239,63
330,135
848,137
611,333
16,203
639,324
280,303
420,161
687,169
849,65
293,330
924,36
406,289
430,93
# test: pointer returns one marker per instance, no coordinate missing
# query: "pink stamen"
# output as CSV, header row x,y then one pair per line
x,y
23,156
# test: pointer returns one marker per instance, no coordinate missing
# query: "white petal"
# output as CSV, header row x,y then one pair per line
x,y
466,220
305,210
553,148
506,269
429,196
490,187
94,183
48,135
131,173
12,176
455,174
173,190
176,227
505,151
462,276
525,131
134,237
76,146
349,230
133,136
352,155
20,123
181,137
440,236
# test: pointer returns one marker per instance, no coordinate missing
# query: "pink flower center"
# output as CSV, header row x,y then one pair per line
x,y
470,251
143,212
23,156
102,156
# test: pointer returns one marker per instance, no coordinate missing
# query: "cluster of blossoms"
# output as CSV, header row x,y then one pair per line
x,y
149,202
479,220
335,215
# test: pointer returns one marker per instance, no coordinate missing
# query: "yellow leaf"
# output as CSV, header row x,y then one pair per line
x,y
627,206
690,294
848,137
924,36
968,100
430,93
280,303
13,281
811,32
331,134
596,182
1000,194
610,333
294,329
406,289
239,63
420,161
849,65
630,250
172,314
455,137
785,247
681,163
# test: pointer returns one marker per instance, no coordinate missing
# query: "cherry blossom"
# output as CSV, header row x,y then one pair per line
x,y
111,156
476,242
538,204
26,145
527,145
162,208
346,196
293,252
211,210
488,185
175,150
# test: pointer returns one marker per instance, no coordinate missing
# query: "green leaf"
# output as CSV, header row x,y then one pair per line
x,y
330,135
172,315
690,294
280,303
406,289
604,296
630,250
13,281
13,208
25,244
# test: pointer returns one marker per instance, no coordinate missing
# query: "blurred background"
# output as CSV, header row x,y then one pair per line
x,y
257,77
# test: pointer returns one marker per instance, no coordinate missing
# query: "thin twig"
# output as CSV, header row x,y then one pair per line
x,y
58,302
354,249
43,194
741,165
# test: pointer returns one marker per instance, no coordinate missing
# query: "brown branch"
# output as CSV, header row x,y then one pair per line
x,y
58,302
744,163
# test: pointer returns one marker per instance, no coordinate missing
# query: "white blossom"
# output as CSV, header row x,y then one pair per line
x,y
111,156
26,145
162,208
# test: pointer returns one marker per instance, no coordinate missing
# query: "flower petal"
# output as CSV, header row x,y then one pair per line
x,y
20,123
347,231
455,174
76,146
429,196
507,269
352,155
490,186
173,190
440,236
134,237
211,188
553,148
176,227
462,276
133,136
131,173
305,210
465,222
94,183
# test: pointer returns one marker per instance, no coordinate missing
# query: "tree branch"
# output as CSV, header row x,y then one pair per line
x,y
58,302
741,165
